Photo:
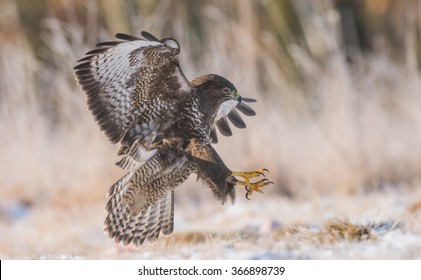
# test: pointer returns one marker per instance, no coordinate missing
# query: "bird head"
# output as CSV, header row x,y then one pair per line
x,y
216,88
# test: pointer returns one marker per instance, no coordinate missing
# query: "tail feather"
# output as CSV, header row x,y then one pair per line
x,y
116,192
153,226
167,214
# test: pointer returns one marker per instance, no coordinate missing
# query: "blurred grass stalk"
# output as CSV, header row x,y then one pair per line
x,y
329,118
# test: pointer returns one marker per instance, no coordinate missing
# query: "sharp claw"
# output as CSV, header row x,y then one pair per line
x,y
264,180
247,195
263,170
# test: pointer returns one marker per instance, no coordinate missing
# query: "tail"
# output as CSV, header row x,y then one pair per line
x,y
141,204
127,226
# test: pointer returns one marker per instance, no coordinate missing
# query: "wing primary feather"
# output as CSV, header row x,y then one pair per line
x,y
93,52
248,100
126,37
92,89
224,127
86,80
149,36
213,136
85,65
235,118
108,44
245,109
83,72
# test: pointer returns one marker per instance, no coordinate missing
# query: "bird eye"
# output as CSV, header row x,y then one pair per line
x,y
225,90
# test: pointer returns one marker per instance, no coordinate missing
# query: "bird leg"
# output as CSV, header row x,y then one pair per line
x,y
251,186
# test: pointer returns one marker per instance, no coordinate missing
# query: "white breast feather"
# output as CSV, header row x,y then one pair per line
x,y
225,108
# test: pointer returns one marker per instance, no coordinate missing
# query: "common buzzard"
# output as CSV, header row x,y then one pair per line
x,y
165,124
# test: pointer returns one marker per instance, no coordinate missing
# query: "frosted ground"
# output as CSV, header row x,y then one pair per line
x,y
365,226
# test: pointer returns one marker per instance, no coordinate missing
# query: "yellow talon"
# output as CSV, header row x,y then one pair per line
x,y
252,186
255,187
250,174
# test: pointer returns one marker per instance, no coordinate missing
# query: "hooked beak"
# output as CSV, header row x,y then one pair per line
x,y
237,96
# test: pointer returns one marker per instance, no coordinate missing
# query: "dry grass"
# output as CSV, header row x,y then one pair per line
x,y
341,142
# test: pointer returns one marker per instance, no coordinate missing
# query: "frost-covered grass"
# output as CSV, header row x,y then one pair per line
x,y
366,226
341,144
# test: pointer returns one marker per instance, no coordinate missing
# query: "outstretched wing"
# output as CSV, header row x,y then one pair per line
x,y
120,77
228,111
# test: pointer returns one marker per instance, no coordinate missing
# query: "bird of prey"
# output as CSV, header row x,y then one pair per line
x,y
165,125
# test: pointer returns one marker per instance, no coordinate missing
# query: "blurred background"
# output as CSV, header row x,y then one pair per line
x,y
337,81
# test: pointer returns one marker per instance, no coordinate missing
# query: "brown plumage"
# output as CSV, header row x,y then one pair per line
x,y
165,124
